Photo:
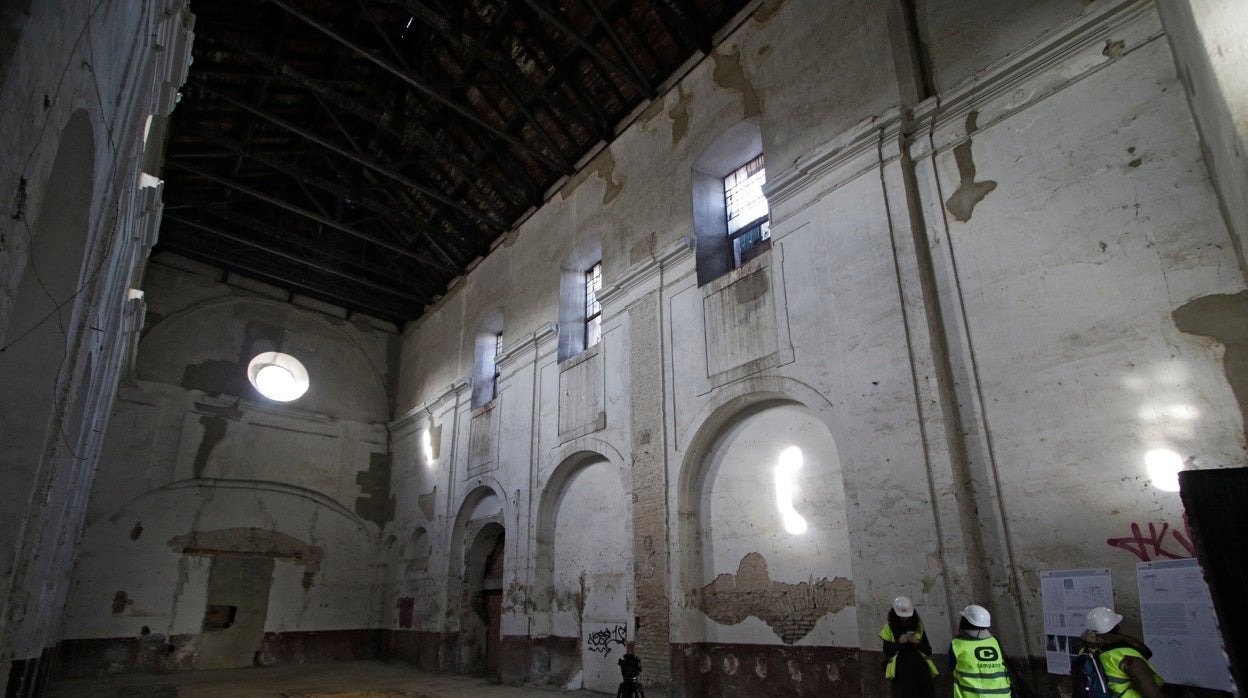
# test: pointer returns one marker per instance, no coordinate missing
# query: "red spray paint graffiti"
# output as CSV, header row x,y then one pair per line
x,y
1152,545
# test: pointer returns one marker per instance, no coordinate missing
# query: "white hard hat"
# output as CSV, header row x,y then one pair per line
x,y
1102,620
902,607
978,616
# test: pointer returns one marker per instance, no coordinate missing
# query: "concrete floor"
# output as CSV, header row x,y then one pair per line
x,y
337,680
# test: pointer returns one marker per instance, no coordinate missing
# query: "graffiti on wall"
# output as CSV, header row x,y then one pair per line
x,y
601,640
1159,542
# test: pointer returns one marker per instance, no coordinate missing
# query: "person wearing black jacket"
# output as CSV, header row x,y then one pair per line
x,y
908,664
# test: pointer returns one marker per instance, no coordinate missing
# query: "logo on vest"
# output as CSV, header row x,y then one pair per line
x,y
987,654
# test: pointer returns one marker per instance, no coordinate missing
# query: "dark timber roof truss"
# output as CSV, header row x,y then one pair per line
x,y
365,152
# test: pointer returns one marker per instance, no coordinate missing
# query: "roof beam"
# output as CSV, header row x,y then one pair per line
x,y
314,290
312,215
646,88
296,259
420,86
620,48
366,162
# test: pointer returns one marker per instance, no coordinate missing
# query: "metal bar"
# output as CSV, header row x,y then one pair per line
x,y
420,86
589,48
293,258
615,40
311,215
381,169
369,305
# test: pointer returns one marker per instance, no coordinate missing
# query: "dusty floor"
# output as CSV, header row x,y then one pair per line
x,y
338,680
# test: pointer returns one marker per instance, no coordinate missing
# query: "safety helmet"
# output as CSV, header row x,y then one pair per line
x,y
977,616
1102,620
902,607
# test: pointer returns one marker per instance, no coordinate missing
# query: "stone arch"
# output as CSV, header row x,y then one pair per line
x,y
40,332
583,582
167,329
736,460
418,549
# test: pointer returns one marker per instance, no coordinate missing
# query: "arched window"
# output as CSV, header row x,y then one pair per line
x,y
730,214
487,346
580,313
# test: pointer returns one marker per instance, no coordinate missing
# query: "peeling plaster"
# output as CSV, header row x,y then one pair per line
x,y
375,502
255,542
427,503
790,610
214,432
679,114
969,193
730,75
1223,318
121,601
767,10
603,167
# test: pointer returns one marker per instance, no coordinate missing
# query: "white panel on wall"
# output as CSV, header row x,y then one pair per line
x,y
580,395
483,439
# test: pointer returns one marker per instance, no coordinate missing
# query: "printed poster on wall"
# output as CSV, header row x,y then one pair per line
x,y
1180,626
1067,596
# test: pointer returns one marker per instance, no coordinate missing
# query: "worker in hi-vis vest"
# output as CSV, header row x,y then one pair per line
x,y
908,664
975,656
1128,673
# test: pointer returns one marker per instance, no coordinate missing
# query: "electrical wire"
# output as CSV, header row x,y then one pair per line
x,y
20,214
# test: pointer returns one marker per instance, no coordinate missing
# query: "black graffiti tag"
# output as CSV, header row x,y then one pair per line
x,y
601,640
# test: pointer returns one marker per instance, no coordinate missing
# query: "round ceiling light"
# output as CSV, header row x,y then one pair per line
x,y
277,376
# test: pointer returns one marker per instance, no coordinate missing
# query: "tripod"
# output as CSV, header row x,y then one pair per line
x,y
630,670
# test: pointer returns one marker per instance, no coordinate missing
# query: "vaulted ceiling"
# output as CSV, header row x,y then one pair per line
x,y
365,152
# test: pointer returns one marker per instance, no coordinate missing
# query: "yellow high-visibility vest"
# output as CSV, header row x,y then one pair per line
x,y
1119,682
980,668
890,669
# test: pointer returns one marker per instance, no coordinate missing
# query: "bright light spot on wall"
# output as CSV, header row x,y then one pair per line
x,y
278,376
426,445
786,489
1163,466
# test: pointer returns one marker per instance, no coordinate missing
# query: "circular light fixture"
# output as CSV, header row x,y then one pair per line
x,y
278,376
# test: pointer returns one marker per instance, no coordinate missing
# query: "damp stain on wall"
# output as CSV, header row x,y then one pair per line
x,y
1224,319
602,167
679,114
790,610
969,192
253,541
375,502
730,75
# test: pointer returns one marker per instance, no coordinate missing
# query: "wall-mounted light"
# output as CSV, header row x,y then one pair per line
x,y
1163,466
786,489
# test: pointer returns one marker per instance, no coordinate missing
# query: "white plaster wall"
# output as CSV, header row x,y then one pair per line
x,y
1103,223
989,407
167,588
593,569
198,452
115,65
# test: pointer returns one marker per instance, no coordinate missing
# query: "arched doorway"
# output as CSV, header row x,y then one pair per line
x,y
483,599
585,572
765,556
